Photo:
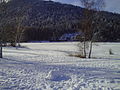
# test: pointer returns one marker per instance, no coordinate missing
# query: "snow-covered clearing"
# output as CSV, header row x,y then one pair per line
x,y
48,66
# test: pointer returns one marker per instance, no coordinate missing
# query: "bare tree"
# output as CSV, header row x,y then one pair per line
x,y
90,13
21,21
20,30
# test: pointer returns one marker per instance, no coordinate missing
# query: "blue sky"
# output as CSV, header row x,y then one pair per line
x,y
111,5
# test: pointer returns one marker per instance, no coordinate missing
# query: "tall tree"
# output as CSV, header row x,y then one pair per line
x,y
90,14
21,21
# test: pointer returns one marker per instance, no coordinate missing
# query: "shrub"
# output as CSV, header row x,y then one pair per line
x,y
111,52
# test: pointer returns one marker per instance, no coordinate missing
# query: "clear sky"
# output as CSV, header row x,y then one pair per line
x,y
111,5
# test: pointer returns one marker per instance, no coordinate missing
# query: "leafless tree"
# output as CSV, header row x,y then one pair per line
x,y
21,20
90,13
20,30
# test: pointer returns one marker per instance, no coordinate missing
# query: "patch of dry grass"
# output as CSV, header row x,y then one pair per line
x,y
77,55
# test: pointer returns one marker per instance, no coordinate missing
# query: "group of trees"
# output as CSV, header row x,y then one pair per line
x,y
89,25
48,20
97,25
37,20
43,17
11,32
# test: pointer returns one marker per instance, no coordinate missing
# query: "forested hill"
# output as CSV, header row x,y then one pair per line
x,y
48,20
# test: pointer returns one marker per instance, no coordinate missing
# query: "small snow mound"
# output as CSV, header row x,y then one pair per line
x,y
57,76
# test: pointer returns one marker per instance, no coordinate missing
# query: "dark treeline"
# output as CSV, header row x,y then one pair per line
x,y
48,20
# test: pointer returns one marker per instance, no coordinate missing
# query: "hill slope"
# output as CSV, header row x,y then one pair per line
x,y
48,20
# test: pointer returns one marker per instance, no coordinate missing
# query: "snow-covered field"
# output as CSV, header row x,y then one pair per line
x,y
48,66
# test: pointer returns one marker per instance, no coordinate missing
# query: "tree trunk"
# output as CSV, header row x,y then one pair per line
x,y
84,48
1,56
16,38
20,37
89,56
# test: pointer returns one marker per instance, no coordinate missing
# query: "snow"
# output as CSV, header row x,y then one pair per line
x,y
48,66
57,75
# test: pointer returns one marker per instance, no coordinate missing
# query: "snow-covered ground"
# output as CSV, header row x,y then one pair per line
x,y
48,66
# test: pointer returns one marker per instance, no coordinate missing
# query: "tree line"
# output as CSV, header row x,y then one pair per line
x,y
37,20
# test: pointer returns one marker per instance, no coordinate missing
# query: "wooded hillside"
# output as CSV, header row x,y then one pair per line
x,y
48,20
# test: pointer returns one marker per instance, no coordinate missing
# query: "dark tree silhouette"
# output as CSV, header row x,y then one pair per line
x,y
2,9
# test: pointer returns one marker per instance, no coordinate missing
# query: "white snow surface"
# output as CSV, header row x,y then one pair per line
x,y
48,66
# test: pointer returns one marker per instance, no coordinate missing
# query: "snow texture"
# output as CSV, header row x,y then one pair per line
x,y
48,66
